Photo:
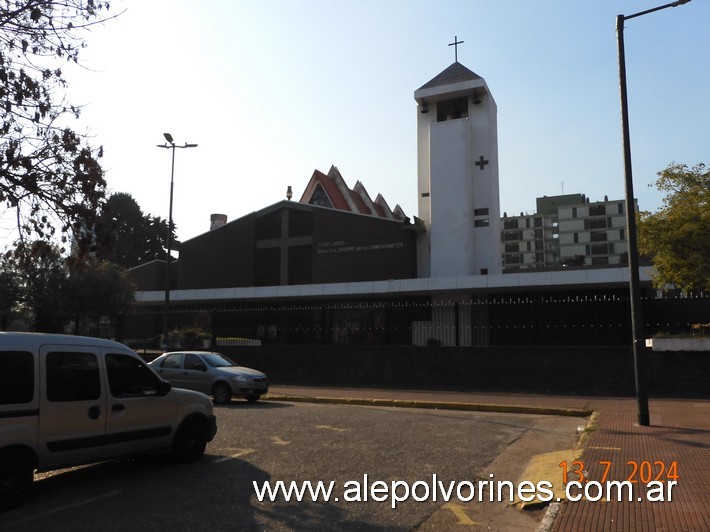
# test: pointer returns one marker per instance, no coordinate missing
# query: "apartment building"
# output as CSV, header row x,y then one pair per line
x,y
567,230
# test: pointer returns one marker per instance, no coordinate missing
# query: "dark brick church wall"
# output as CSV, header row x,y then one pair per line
x,y
350,248
223,257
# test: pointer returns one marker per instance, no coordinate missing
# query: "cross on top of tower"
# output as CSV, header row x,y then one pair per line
x,y
455,44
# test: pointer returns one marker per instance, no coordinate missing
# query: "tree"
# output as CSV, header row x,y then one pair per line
x,y
677,237
97,288
127,237
42,274
53,289
9,289
49,176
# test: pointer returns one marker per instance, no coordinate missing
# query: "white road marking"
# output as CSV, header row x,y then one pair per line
x,y
240,452
64,508
328,427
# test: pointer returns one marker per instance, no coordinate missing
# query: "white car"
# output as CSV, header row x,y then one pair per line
x,y
212,374
69,400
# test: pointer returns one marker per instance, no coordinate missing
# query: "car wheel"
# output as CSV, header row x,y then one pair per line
x,y
190,442
252,398
221,393
16,474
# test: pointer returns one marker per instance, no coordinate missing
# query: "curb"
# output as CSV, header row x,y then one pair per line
x,y
435,405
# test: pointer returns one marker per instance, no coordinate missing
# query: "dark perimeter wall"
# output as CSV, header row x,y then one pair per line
x,y
581,371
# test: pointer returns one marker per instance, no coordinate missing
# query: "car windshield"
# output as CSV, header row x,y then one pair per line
x,y
217,361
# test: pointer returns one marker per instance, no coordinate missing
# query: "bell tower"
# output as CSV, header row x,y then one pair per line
x,y
457,167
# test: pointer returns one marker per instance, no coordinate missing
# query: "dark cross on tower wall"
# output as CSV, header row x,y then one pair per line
x,y
455,44
481,162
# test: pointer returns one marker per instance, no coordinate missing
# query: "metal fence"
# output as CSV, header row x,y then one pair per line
x,y
541,319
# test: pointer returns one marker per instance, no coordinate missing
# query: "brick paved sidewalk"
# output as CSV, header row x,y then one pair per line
x,y
679,433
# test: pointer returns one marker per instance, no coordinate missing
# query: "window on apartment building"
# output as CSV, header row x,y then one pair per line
x,y
576,238
482,223
598,236
510,224
597,210
601,249
599,223
574,212
621,208
480,212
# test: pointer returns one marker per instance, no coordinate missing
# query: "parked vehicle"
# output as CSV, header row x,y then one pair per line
x,y
70,400
211,373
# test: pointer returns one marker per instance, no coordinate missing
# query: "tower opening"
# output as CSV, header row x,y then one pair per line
x,y
452,109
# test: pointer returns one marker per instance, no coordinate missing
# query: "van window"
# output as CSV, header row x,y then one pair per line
x,y
72,377
130,377
17,380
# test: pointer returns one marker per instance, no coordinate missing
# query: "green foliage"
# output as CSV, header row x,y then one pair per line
x,y
187,338
97,288
577,260
50,289
9,290
677,237
49,176
42,274
127,237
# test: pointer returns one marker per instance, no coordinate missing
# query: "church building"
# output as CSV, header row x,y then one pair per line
x,y
337,266
457,160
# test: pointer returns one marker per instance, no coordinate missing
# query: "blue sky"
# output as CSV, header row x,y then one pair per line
x,y
272,90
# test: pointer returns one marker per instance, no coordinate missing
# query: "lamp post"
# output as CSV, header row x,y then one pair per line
x,y
170,144
637,327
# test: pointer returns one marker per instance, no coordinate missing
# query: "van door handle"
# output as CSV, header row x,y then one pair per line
x,y
118,408
94,412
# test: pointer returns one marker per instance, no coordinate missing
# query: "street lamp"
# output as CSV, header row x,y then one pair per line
x,y
639,341
170,144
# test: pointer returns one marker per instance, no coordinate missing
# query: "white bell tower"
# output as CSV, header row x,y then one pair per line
x,y
457,160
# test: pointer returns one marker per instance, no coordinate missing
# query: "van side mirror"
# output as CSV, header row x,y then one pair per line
x,y
164,387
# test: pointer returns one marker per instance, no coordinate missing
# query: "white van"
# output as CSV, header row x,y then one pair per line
x,y
70,400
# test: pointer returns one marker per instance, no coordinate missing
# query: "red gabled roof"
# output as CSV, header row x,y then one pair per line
x,y
344,198
331,189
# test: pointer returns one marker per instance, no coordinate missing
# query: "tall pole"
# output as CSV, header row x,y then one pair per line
x,y
637,327
170,144
169,244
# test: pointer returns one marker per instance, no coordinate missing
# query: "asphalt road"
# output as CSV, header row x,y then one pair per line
x,y
272,441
